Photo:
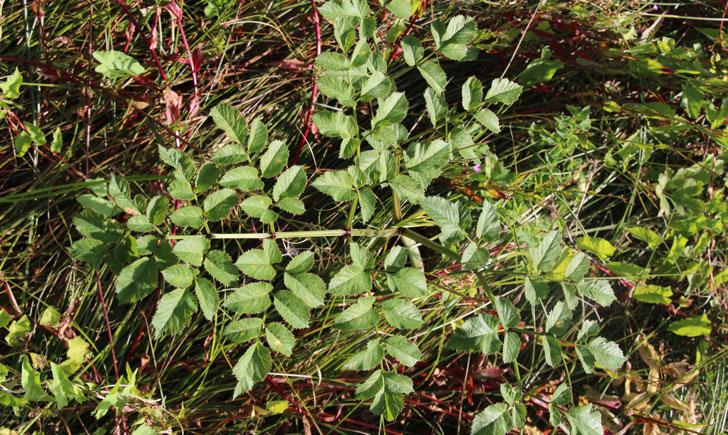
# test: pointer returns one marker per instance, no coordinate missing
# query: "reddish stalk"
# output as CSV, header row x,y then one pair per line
x,y
314,91
146,40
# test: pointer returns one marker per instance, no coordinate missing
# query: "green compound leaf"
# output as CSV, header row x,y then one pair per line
x,y
535,290
292,205
488,226
244,178
493,420
350,280
691,327
402,314
335,124
279,338
291,308
243,329
137,280
180,189
451,41
436,105
250,298
308,287
335,85
88,250
180,275
390,110
229,154
433,75
585,357
290,183
174,312
206,177
558,319
503,91
426,161
406,187
331,61
115,64
259,207
546,255
598,290
189,216
301,263
389,400
334,9
378,85
359,316
337,184
366,359
400,8
585,420
140,224
256,264
191,249
445,214
477,334
252,367
258,136
218,204
403,349
360,256
228,119
646,235
577,267
472,94
409,281
99,205
219,265
606,353
207,297
274,160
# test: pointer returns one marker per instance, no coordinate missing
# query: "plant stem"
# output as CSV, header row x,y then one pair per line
x,y
387,232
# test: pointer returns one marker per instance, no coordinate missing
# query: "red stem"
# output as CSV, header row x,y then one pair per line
x,y
147,41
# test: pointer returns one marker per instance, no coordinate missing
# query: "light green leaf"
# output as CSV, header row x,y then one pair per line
x,y
206,177
462,142
511,347
653,294
444,213
366,359
301,263
378,85
218,204
57,141
488,119
115,64
189,216
407,188
291,205
174,312
229,155
256,264
207,297
488,226
140,224
243,329
291,308
577,267
18,331
585,420
402,314
403,349
331,61
308,287
290,183
350,280
359,316
274,160
219,265
22,144
360,256
535,290
337,184
191,249
558,320
88,250
400,8
335,124
62,388
389,401
692,326
507,313
472,94
179,275
433,75
137,280
474,257
598,290
493,420
503,91
368,203
175,158
180,189
436,105
30,380
99,205
477,334
599,247
546,255
426,161
244,178
412,50
228,119
258,207
258,136
279,338
607,353
589,327
96,226
11,86
646,235
552,350
157,209
409,281
253,367
585,357
390,111
335,85
36,134
250,299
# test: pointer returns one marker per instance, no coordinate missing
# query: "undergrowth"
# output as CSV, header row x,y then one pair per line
x,y
340,217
